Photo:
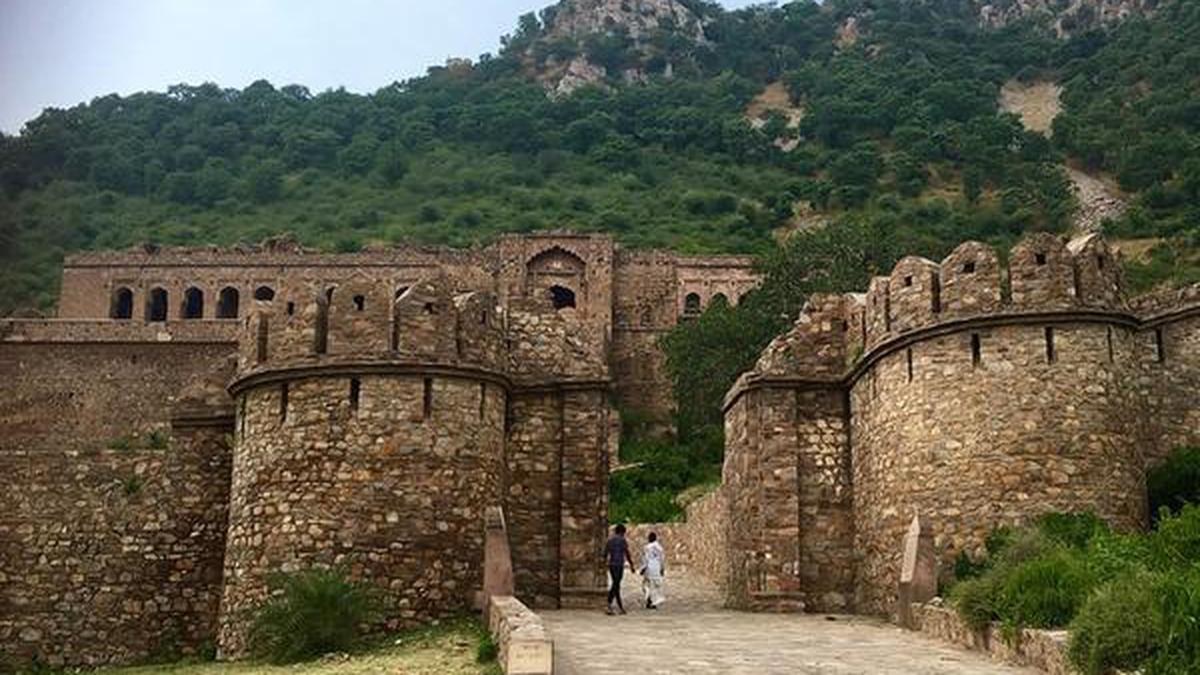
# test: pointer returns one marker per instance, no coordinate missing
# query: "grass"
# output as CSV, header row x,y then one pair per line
x,y
450,648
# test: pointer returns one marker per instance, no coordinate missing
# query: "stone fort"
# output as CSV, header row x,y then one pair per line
x,y
196,420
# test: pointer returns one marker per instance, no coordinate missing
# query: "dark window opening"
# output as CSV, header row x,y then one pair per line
x,y
355,393
283,402
482,399
156,305
329,295
1100,261
264,293
1160,346
976,350
360,303
968,268
691,304
427,399
321,334
227,303
562,297
907,281
935,288
845,326
264,331
1039,258
291,309
122,304
431,308
1051,355
719,298
1110,345
193,304
908,355
242,416
887,312
483,318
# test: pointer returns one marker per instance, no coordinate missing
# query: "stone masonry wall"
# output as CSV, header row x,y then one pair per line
x,y
112,555
393,491
972,446
696,542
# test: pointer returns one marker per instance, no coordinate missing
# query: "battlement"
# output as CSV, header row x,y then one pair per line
x,y
1043,276
363,322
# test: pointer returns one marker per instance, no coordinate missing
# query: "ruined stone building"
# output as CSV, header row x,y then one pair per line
x,y
195,420
972,392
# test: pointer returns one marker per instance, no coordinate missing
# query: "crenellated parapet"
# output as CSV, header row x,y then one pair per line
x,y
359,322
1043,275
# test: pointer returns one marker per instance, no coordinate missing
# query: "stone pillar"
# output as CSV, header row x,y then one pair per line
x,y
918,571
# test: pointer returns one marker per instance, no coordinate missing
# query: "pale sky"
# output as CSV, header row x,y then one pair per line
x,y
57,53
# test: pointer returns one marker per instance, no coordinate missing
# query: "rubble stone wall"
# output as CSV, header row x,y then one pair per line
x,y
972,446
392,490
973,393
112,531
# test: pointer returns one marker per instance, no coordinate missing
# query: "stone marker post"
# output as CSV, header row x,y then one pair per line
x,y
918,570
497,559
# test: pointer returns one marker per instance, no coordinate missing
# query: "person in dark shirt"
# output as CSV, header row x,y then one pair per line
x,y
616,553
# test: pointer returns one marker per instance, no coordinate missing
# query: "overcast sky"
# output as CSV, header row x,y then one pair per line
x,y
56,53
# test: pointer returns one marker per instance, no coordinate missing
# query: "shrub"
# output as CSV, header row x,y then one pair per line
x,y
1046,591
310,613
976,600
1119,627
1072,529
487,650
1179,595
1176,482
1175,543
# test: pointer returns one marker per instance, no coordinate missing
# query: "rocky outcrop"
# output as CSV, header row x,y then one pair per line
x,y
573,22
1075,17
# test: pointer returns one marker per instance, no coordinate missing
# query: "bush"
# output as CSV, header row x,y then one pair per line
x,y
487,650
1072,529
1179,595
310,613
1176,482
1119,627
976,600
1045,592
1176,541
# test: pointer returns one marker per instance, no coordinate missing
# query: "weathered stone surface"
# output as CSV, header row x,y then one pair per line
x,y
974,403
918,570
525,648
1045,650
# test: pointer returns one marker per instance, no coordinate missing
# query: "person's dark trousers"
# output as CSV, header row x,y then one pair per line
x,y
614,593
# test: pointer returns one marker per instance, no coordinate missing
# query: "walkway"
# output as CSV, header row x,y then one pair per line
x,y
693,635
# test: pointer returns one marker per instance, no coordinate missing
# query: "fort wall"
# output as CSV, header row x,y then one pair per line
x,y
112,534
974,394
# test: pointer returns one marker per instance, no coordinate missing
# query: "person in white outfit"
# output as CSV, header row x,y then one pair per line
x,y
654,567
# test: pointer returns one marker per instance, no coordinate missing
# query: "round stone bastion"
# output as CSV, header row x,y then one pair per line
x,y
370,439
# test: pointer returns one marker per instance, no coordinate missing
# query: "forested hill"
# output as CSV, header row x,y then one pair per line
x,y
700,130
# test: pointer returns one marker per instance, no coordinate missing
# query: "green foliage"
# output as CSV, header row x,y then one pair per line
x,y
1175,482
132,485
1120,626
1045,591
660,470
487,650
1131,601
310,613
122,443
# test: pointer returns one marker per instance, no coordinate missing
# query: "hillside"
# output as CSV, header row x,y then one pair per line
x,y
667,122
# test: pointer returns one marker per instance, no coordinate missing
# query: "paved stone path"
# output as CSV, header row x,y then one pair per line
x,y
693,635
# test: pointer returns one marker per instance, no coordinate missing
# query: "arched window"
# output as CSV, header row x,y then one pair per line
x,y
562,297
122,304
156,305
193,304
321,334
264,293
691,304
227,303
719,298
